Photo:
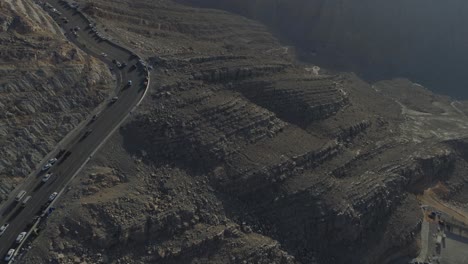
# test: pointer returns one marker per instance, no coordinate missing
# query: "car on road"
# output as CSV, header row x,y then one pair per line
x,y
20,196
20,237
52,161
46,167
114,99
87,133
9,254
65,156
52,196
33,221
129,83
123,65
94,118
60,153
47,177
3,228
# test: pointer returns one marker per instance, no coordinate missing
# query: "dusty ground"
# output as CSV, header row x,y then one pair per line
x,y
240,154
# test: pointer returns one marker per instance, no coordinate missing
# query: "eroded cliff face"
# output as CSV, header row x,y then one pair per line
x,y
47,88
421,40
239,154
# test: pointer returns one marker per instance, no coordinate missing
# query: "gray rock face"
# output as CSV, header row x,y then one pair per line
x,y
240,154
47,88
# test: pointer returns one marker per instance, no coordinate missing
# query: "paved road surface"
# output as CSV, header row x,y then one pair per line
x,y
80,147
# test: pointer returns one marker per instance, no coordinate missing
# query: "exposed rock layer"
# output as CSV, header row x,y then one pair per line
x,y
241,155
420,40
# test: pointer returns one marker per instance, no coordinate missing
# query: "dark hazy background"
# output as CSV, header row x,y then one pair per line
x,y
424,40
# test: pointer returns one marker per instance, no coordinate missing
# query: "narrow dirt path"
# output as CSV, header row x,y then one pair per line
x,y
430,198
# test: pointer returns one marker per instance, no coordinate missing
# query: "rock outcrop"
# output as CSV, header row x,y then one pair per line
x,y
240,154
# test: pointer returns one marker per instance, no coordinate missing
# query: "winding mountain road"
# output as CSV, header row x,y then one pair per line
x,y
82,144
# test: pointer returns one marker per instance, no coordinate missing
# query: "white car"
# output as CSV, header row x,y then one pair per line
x,y
52,196
20,237
47,177
3,228
46,167
52,161
9,255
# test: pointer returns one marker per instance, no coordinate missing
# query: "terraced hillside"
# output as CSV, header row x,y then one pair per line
x,y
47,87
240,154
375,38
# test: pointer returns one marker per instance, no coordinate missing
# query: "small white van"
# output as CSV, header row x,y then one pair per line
x,y
20,196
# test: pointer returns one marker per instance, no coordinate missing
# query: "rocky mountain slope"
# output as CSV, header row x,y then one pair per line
x,y
47,86
421,40
240,154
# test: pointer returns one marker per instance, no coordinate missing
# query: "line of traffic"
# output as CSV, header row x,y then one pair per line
x,y
42,191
